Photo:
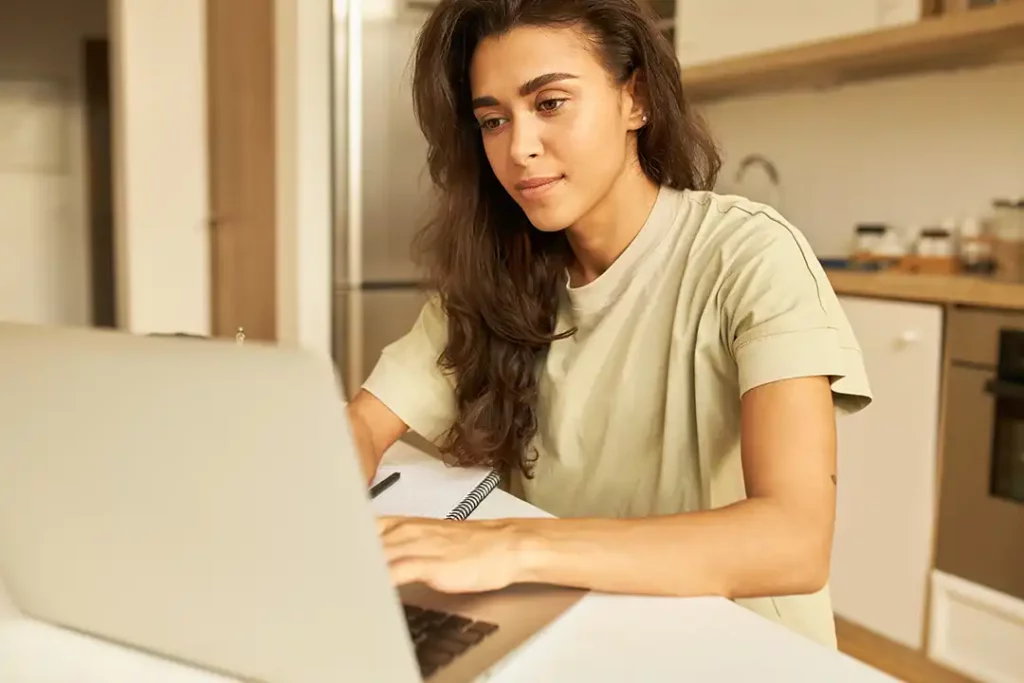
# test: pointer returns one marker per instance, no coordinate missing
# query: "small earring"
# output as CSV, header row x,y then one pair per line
x,y
644,119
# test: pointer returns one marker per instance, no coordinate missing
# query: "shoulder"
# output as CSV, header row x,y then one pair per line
x,y
433,318
759,259
739,227
741,246
771,297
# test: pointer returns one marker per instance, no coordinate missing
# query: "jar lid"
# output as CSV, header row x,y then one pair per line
x,y
871,228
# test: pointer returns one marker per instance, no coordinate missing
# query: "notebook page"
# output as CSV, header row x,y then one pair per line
x,y
427,487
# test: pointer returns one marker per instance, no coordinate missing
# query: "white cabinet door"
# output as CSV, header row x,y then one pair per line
x,y
708,30
887,471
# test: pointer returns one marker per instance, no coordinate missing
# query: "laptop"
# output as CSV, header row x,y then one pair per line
x,y
201,500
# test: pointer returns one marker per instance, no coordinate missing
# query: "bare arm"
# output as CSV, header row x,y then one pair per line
x,y
375,429
778,541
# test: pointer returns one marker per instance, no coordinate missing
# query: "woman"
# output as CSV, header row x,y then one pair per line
x,y
656,365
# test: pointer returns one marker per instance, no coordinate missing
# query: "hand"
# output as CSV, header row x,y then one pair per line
x,y
450,556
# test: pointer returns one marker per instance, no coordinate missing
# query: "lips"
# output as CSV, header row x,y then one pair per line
x,y
533,183
534,187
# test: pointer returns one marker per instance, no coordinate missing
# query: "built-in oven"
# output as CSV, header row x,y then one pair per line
x,y
1007,390
980,535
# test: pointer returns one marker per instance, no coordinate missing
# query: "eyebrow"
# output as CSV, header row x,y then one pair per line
x,y
531,86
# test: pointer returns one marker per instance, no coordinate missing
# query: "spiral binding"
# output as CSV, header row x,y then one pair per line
x,y
475,497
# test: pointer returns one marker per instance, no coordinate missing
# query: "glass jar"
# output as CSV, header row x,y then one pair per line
x,y
869,238
1008,240
975,248
935,243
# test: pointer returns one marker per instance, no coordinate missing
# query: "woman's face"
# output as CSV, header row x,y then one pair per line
x,y
555,126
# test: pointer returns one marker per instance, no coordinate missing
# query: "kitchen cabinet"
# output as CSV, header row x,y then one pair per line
x,y
710,30
887,456
976,630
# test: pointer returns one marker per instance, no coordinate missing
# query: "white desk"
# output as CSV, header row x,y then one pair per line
x,y
626,638
602,638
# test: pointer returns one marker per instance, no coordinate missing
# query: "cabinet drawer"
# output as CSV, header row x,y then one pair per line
x,y
976,631
973,333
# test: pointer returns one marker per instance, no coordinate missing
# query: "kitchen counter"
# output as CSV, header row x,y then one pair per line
x,y
942,289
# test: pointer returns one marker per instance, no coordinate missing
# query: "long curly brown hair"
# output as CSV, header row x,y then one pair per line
x,y
498,278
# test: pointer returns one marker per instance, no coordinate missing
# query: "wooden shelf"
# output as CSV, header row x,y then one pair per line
x,y
968,39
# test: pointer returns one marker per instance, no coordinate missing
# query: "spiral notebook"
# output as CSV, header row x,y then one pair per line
x,y
429,488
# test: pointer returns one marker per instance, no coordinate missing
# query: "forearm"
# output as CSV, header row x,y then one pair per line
x,y
362,435
374,429
753,548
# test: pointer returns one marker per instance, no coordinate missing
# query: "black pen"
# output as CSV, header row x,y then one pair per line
x,y
383,485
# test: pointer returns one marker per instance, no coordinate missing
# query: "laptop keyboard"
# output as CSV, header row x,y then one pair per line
x,y
441,637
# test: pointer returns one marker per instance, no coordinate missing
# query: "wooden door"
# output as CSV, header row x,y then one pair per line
x,y
240,48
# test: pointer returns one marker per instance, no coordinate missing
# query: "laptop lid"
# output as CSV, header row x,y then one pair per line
x,y
196,499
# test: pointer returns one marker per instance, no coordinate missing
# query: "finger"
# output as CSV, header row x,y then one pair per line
x,y
399,528
412,570
411,547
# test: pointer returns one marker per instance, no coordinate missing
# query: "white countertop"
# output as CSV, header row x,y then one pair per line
x,y
602,638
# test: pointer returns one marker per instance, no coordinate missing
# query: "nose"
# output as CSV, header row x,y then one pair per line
x,y
526,141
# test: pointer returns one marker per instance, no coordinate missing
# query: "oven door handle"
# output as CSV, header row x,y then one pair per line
x,y
1003,389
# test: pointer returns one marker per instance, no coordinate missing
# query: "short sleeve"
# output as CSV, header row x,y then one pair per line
x,y
783,320
408,380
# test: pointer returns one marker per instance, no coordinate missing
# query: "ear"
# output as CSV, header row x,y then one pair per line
x,y
636,100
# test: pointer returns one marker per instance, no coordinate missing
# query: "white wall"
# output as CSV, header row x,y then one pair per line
x,y
159,109
906,151
160,164
158,55
304,157
378,9
44,232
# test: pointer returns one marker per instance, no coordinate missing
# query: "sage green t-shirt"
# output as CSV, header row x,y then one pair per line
x,y
639,411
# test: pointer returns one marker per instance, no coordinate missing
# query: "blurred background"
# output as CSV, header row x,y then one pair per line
x,y
208,165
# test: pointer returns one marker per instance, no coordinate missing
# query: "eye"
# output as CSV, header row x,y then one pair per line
x,y
550,104
492,123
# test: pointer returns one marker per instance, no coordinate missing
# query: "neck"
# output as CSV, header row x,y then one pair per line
x,y
600,236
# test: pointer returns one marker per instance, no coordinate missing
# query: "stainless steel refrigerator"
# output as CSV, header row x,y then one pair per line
x,y
382,185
